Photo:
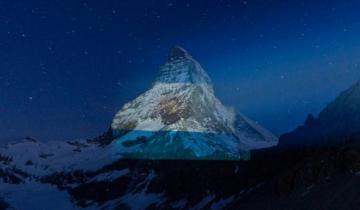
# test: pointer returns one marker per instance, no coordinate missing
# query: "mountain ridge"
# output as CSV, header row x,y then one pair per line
x,y
339,120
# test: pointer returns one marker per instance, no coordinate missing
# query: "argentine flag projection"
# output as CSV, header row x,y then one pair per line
x,y
179,117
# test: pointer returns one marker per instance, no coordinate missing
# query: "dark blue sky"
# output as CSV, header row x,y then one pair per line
x,y
67,66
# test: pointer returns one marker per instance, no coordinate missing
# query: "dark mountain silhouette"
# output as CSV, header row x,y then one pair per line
x,y
338,122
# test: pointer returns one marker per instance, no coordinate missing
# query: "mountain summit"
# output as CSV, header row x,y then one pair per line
x,y
178,53
180,118
182,68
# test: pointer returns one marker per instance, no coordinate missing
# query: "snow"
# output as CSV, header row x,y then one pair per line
x,y
222,203
141,200
56,156
179,204
110,176
33,195
307,190
149,125
205,201
135,200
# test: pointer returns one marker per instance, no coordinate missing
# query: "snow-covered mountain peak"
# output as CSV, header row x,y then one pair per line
x,y
178,53
180,117
181,68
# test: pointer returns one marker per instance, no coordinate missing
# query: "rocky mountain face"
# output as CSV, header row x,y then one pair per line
x,y
180,117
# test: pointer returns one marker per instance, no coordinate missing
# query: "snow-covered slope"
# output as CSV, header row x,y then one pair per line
x,y
38,158
84,175
31,171
180,117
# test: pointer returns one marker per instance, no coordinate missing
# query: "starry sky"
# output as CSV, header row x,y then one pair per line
x,y
67,66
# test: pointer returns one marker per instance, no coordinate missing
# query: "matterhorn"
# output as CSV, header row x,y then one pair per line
x,y
179,117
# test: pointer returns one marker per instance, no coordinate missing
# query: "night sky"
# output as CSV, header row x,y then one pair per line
x,y
67,66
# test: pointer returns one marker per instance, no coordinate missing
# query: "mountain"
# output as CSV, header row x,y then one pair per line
x,y
338,121
342,116
85,174
316,166
179,117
